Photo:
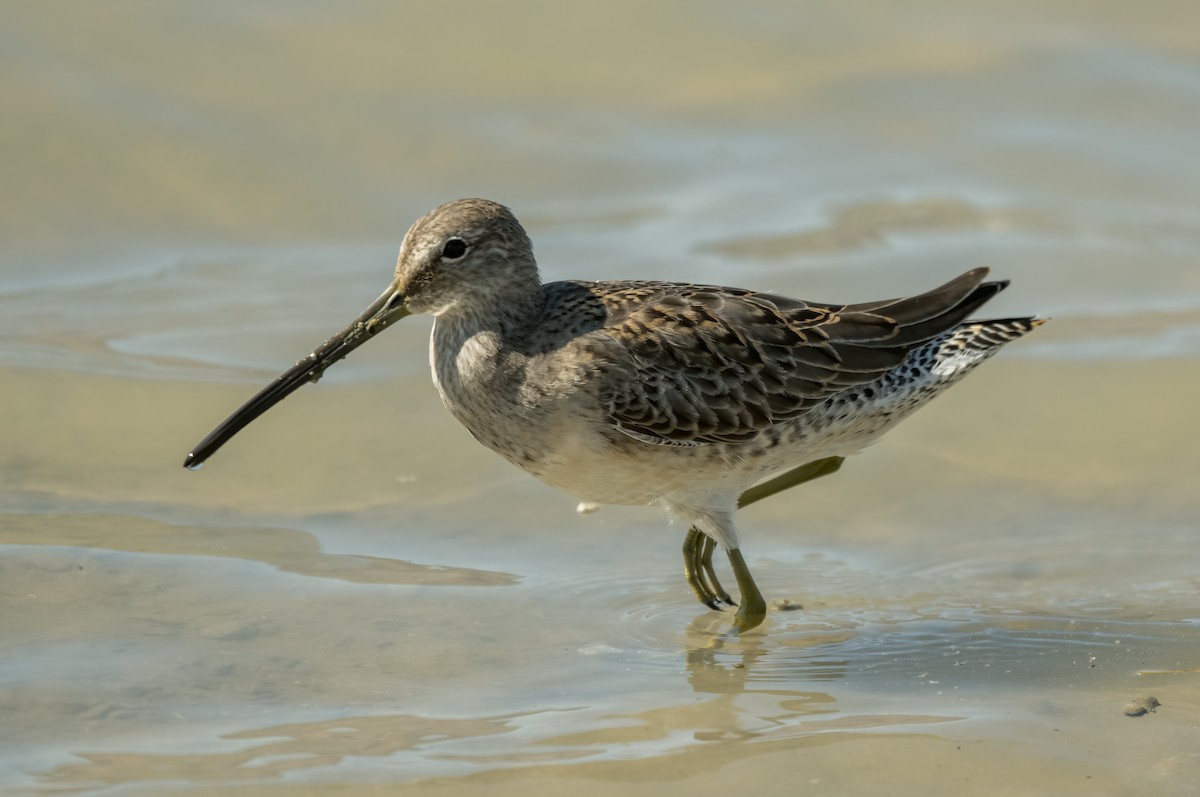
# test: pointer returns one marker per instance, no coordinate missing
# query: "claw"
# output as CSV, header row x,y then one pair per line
x,y
707,546
698,570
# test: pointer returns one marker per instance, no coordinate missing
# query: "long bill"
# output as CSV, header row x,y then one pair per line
x,y
382,313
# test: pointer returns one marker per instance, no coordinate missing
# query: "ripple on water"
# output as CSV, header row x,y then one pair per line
x,y
860,625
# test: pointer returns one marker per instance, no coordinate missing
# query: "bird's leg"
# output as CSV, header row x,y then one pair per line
x,y
754,608
698,570
698,549
692,572
785,481
708,545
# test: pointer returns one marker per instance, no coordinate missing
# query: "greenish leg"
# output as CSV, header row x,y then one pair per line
x,y
708,546
754,608
698,549
793,478
698,570
692,572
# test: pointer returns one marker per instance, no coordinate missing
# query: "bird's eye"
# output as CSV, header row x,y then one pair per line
x,y
454,249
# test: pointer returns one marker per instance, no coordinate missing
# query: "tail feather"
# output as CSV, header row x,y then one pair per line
x,y
921,318
914,309
932,327
990,333
974,341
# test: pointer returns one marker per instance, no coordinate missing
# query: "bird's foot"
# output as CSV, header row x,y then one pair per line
x,y
698,570
753,610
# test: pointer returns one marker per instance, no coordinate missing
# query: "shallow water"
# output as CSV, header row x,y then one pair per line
x,y
353,594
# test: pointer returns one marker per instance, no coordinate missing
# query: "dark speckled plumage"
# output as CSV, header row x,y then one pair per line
x,y
692,364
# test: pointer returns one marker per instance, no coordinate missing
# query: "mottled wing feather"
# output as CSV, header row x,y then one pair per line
x,y
694,364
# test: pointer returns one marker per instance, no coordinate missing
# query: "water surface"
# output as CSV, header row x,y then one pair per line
x,y
353,594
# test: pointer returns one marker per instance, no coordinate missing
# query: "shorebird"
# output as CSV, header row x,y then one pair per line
x,y
691,397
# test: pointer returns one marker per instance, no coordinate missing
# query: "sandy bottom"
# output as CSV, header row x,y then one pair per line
x,y
354,594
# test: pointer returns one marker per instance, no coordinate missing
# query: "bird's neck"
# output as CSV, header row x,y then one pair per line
x,y
479,357
473,342
509,316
